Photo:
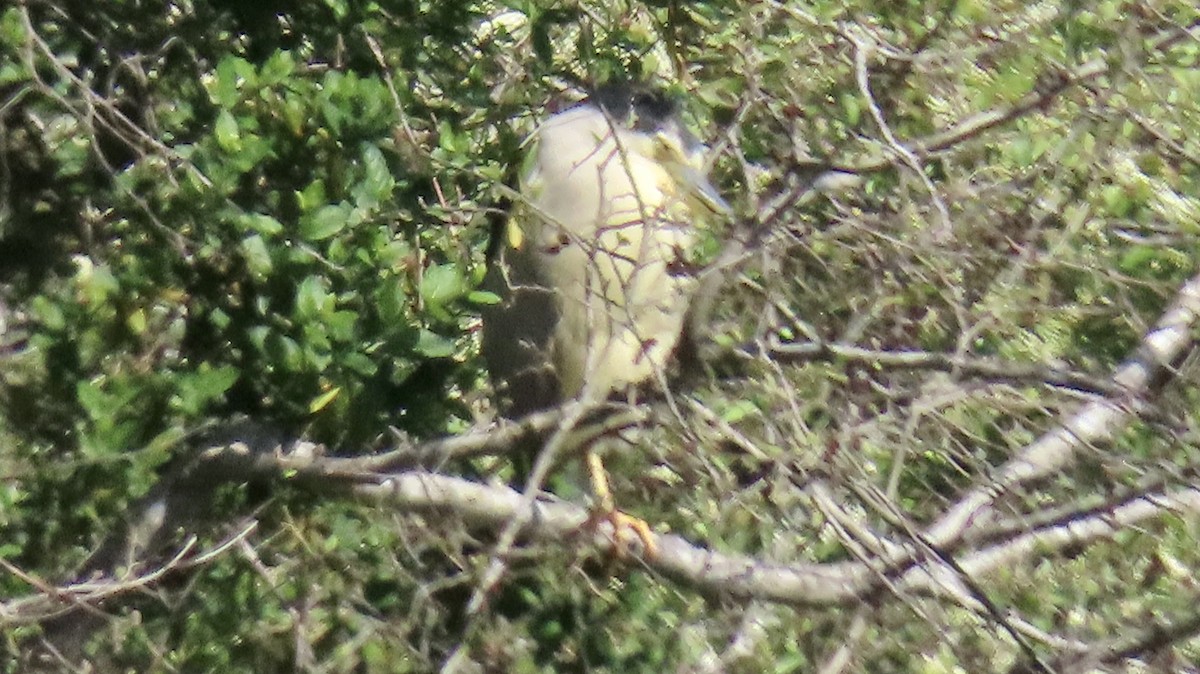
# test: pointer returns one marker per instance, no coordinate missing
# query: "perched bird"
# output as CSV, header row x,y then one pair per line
x,y
595,269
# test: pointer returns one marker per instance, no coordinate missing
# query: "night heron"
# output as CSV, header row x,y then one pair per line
x,y
596,269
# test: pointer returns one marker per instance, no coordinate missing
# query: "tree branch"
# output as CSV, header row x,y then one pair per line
x,y
979,366
1054,83
550,519
1140,377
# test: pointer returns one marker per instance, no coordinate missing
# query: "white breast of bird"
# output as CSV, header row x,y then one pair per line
x,y
616,255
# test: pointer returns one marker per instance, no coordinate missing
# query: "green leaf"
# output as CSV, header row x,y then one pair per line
x,y
393,305
136,321
377,183
224,87
326,222
263,224
322,401
312,196
311,297
258,258
48,313
211,383
738,411
11,73
360,364
341,325
1116,200
1138,257
432,345
442,283
853,109
277,68
483,297
12,28
226,130
96,283
92,398
340,8
197,389
294,114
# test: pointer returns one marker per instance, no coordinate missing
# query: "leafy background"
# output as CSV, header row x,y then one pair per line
x,y
221,209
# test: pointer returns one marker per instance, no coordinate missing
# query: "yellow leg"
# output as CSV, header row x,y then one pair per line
x,y
607,508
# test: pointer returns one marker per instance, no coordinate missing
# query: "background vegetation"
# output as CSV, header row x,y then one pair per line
x,y
240,247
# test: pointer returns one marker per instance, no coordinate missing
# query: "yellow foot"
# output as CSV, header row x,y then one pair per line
x,y
625,528
623,525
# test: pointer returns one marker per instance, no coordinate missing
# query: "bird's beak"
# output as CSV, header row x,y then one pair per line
x,y
703,190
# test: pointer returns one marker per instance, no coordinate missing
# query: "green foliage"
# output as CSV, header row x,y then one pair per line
x,y
220,208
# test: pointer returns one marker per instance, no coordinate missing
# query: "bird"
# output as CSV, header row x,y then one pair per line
x,y
595,266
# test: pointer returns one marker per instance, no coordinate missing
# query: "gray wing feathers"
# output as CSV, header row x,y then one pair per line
x,y
517,336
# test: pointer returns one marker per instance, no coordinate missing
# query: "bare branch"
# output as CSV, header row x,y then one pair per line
x,y
1143,375
550,519
956,364
1040,97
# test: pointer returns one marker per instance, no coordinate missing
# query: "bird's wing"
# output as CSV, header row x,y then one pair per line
x,y
517,330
